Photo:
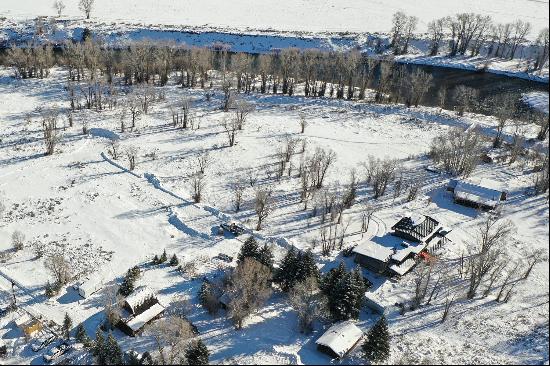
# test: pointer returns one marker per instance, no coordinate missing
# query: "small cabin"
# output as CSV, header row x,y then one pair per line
x,y
340,339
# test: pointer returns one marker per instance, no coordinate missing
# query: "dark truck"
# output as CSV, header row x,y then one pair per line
x,y
233,228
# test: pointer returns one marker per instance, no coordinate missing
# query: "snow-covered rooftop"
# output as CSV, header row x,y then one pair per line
x,y
138,298
341,337
137,322
477,194
384,254
404,267
373,250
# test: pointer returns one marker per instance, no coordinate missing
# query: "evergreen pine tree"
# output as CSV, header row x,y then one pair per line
x,y
285,275
146,358
265,256
127,286
134,272
174,261
377,345
81,336
132,359
249,249
49,290
331,279
306,267
99,347
197,353
156,259
113,352
336,286
67,325
164,257
204,291
359,288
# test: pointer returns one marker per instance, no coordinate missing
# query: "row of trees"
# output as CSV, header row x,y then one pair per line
x,y
470,32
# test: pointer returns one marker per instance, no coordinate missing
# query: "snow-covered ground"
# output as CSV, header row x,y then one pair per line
x,y
106,220
295,15
538,100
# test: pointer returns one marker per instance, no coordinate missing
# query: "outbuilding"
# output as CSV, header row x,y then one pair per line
x,y
340,339
476,195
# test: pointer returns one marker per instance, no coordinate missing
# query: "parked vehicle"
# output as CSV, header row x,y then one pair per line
x,y
43,342
224,257
233,228
55,352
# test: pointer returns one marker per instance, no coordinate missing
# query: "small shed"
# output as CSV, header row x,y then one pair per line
x,y
90,285
28,325
32,327
340,339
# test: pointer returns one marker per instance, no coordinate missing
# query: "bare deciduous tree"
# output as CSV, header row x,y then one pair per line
x,y
171,336
113,148
17,240
112,305
303,123
465,97
131,154
309,302
248,289
51,135
458,151
503,107
366,217
242,110
486,252
59,267
537,256
231,127
262,205
198,183
380,172
86,7
58,6
238,189
203,161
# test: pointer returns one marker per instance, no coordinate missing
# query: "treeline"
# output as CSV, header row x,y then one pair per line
x,y
335,74
469,33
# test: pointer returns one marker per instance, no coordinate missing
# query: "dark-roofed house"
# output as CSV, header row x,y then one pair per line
x,y
392,256
473,195
140,308
417,228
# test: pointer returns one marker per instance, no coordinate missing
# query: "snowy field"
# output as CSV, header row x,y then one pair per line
x,y
106,219
287,15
